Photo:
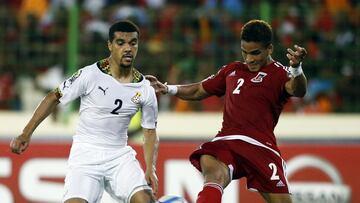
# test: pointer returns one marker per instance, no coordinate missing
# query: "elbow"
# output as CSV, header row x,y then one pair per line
x,y
300,93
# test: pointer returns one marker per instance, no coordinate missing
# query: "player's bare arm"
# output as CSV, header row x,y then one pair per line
x,y
193,91
297,85
20,143
151,143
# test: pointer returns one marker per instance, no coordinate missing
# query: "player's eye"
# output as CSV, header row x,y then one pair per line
x,y
120,42
257,52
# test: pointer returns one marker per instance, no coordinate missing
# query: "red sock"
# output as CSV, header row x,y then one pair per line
x,y
211,193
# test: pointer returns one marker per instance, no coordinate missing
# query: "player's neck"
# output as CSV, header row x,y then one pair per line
x,y
269,60
122,74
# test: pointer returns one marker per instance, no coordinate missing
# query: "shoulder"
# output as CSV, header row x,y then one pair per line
x,y
146,82
140,81
89,70
229,68
279,71
233,65
277,66
225,70
137,76
147,86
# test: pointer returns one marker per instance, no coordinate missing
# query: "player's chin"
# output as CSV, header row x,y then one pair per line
x,y
254,68
126,65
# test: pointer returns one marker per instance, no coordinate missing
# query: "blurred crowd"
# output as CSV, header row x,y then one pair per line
x,y
181,41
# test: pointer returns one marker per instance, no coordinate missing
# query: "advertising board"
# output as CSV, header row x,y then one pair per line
x,y
316,172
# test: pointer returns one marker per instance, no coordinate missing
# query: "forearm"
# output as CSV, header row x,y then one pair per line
x,y
46,106
299,84
192,91
151,143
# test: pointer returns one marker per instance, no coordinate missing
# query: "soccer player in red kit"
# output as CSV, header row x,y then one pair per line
x,y
255,92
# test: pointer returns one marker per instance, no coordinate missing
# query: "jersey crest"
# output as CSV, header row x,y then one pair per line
x,y
136,98
259,77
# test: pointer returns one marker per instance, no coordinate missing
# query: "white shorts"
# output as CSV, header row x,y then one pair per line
x,y
91,169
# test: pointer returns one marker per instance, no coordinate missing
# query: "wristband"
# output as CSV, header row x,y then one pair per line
x,y
172,89
296,71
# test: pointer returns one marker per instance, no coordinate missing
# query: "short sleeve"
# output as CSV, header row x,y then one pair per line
x,y
149,109
74,86
216,84
285,75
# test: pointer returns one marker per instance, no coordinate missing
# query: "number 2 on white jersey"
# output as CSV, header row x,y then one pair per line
x,y
240,82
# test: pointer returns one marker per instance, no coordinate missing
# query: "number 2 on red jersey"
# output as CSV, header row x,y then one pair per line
x,y
240,82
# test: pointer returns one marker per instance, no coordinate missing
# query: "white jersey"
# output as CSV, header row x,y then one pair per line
x,y
107,106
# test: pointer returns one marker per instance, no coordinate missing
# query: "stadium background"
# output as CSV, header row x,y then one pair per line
x,y
44,41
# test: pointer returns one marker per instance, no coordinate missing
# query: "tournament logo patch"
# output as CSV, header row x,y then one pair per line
x,y
136,98
71,80
259,77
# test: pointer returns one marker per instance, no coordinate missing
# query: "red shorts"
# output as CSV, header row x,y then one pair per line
x,y
263,169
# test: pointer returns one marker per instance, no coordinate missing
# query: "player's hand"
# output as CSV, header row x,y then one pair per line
x,y
152,180
296,56
19,144
157,85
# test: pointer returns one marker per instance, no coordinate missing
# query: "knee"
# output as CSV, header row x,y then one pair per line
x,y
215,171
143,196
75,200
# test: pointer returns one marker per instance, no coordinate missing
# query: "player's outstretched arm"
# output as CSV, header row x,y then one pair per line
x,y
47,105
297,85
151,143
193,91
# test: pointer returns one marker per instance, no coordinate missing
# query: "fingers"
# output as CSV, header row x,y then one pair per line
x,y
15,146
151,78
291,59
157,85
154,82
18,146
296,56
154,186
153,183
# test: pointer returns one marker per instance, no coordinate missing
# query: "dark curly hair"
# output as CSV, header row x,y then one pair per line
x,y
122,26
257,31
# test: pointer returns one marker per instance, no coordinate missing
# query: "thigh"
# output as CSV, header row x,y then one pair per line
x,y
218,149
264,169
215,170
80,184
126,179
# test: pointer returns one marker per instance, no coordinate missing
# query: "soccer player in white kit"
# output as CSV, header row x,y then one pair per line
x,y
111,92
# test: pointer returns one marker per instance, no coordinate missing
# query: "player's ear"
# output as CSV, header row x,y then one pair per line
x,y
109,45
270,49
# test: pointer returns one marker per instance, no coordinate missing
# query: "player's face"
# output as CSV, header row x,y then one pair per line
x,y
255,54
124,48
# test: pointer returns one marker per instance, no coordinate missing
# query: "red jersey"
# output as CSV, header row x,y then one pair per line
x,y
253,101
